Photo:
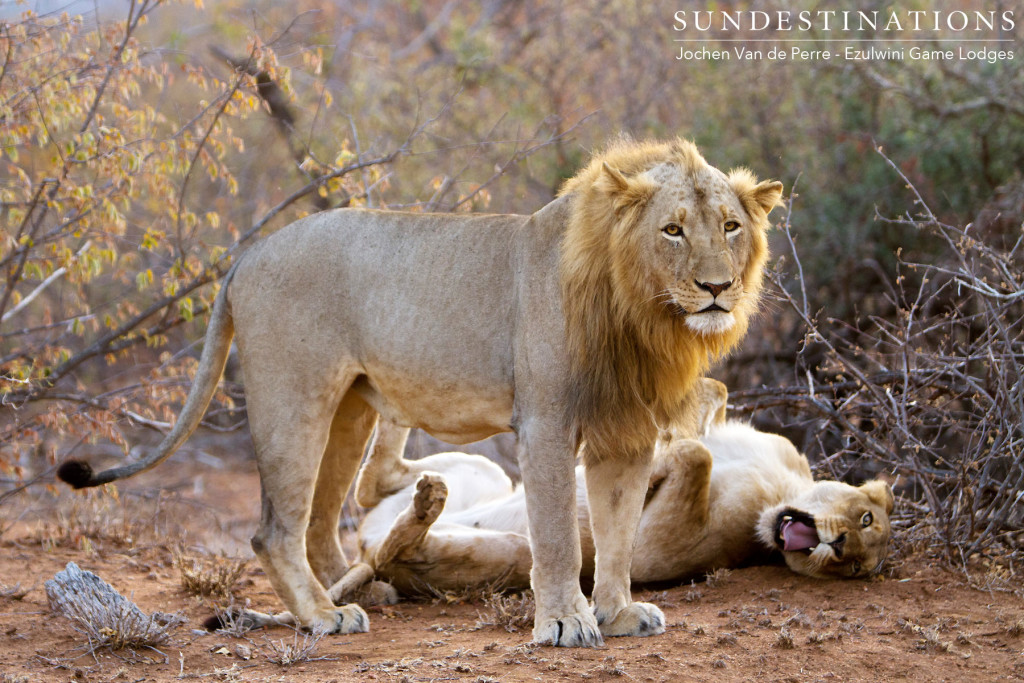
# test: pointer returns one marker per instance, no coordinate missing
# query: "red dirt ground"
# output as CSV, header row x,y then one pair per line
x,y
918,622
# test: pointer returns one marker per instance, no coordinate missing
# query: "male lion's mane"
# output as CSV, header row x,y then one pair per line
x,y
632,359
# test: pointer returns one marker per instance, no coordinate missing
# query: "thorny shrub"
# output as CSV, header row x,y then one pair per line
x,y
120,167
931,395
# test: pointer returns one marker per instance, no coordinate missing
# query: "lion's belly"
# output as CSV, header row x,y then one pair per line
x,y
456,412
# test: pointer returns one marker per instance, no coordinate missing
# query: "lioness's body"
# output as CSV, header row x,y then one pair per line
x,y
453,520
585,323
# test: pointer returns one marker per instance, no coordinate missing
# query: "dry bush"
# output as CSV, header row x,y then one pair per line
x,y
15,592
208,575
121,209
930,394
511,612
284,653
103,615
784,641
717,577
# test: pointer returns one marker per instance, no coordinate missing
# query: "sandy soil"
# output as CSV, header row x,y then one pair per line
x,y
917,622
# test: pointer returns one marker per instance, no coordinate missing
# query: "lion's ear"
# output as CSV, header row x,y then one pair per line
x,y
763,196
768,195
624,192
880,494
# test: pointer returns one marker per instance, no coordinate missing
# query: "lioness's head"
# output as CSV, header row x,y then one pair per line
x,y
834,530
661,268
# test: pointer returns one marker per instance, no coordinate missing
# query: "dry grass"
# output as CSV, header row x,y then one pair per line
x,y
784,641
717,577
513,613
284,653
15,592
208,575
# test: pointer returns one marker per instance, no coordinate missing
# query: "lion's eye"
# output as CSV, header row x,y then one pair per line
x,y
732,226
672,230
856,567
866,519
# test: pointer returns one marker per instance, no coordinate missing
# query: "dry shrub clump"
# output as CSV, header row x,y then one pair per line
x,y
103,615
511,612
208,575
284,653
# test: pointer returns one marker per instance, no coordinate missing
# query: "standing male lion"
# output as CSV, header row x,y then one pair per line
x,y
584,325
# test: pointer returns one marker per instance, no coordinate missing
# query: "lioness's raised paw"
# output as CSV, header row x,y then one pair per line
x,y
576,630
429,499
638,619
341,620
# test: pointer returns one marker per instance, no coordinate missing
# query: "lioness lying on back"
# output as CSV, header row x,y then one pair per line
x,y
734,497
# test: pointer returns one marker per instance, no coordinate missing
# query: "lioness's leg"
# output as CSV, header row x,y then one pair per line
x,y
414,553
450,557
290,433
414,521
676,510
385,470
546,459
616,487
350,430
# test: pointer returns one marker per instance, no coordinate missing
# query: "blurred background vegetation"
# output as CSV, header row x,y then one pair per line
x,y
145,144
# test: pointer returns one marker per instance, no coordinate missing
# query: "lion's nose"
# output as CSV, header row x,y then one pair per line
x,y
839,544
715,288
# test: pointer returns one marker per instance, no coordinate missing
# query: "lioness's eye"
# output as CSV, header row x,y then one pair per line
x,y
856,568
672,230
866,519
732,226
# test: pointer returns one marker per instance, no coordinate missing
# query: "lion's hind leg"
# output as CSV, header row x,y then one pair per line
x,y
290,434
351,428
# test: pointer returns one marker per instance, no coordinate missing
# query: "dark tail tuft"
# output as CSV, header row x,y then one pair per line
x,y
214,623
77,473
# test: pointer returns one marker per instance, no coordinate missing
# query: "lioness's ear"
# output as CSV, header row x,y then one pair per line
x,y
624,192
880,494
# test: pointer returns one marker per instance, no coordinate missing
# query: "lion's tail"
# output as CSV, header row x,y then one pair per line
x,y
79,474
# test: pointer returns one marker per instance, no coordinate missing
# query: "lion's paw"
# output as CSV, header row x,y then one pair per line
x,y
429,499
638,619
341,620
574,630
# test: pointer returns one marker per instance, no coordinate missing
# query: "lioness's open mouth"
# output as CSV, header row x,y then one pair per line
x,y
795,531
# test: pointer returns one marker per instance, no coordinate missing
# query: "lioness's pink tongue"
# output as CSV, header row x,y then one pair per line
x,y
798,536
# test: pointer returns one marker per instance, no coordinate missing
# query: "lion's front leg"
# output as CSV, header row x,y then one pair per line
x,y
563,616
616,487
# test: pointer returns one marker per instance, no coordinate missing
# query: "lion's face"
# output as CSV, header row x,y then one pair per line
x,y
661,268
834,530
690,241
701,241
